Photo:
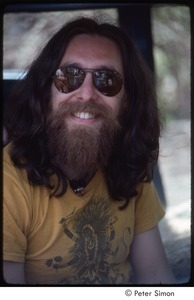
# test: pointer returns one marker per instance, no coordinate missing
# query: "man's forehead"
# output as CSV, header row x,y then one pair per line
x,y
93,51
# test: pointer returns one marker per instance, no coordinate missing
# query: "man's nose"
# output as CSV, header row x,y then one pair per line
x,y
87,90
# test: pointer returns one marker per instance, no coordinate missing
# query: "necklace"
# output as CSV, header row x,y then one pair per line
x,y
78,186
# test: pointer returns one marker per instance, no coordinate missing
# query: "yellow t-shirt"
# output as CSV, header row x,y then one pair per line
x,y
73,239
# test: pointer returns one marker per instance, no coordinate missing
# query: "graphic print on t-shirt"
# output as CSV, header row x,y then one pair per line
x,y
93,258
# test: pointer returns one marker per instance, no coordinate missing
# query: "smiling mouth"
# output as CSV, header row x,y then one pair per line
x,y
84,115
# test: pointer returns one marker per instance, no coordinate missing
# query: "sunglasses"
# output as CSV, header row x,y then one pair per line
x,y
68,79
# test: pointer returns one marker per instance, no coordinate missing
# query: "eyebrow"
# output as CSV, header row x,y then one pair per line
x,y
77,65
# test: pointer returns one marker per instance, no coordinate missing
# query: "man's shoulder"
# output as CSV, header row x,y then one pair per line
x,y
8,166
6,153
145,188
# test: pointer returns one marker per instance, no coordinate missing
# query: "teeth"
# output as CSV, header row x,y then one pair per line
x,y
84,115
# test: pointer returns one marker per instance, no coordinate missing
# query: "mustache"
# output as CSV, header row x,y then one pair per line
x,y
96,109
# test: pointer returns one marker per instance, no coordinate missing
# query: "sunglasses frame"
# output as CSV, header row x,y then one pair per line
x,y
60,84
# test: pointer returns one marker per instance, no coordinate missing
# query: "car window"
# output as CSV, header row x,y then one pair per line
x,y
26,33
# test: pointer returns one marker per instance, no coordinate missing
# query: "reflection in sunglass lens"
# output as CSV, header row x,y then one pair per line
x,y
108,82
75,77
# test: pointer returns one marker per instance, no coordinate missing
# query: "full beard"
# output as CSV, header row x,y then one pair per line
x,y
81,149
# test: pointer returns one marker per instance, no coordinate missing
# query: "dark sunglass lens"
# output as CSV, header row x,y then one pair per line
x,y
108,82
68,79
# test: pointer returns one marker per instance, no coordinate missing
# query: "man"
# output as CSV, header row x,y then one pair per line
x,y
79,203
